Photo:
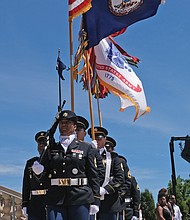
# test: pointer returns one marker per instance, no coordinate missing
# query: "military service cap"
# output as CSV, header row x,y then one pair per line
x,y
98,131
110,142
82,122
40,135
68,115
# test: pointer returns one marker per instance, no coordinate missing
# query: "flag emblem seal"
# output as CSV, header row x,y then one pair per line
x,y
123,7
115,57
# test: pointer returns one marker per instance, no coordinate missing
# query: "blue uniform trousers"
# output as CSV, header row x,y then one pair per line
x,y
108,216
33,217
73,212
121,216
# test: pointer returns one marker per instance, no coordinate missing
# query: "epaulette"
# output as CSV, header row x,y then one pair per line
x,y
32,159
114,154
122,157
83,141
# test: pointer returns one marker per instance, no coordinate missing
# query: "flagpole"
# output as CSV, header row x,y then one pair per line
x,y
89,95
99,112
60,96
71,66
98,105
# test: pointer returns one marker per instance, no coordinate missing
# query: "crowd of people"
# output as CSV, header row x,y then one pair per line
x,y
167,209
75,180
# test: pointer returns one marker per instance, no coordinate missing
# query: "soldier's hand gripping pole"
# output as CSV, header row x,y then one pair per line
x,y
50,133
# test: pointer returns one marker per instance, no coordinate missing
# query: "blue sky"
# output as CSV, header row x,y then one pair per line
x,y
32,32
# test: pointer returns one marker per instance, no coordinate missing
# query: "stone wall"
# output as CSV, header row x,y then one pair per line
x,y
10,204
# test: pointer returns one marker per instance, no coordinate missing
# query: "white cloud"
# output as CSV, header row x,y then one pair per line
x,y
144,174
12,169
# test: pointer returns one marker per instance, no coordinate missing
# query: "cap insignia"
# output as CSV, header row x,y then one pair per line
x,y
65,114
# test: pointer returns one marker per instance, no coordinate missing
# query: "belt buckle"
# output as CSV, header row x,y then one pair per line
x,y
64,182
40,192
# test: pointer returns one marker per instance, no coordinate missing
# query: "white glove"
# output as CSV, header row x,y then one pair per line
x,y
94,144
134,218
103,191
24,211
94,209
37,167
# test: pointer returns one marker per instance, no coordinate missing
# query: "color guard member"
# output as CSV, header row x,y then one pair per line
x,y
113,179
74,179
129,191
82,125
130,195
34,187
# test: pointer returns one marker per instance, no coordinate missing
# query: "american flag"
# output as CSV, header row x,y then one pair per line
x,y
77,7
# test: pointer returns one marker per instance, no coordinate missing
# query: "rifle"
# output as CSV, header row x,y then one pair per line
x,y
51,131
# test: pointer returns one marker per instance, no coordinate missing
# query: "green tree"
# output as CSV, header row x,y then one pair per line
x,y
147,205
182,195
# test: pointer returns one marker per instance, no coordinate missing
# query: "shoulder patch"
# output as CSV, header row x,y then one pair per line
x,y
122,167
95,162
138,188
129,174
114,154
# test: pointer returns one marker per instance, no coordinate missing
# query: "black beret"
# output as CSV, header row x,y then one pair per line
x,y
82,122
99,132
39,135
110,142
69,115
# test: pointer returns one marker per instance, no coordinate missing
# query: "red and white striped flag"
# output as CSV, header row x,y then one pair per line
x,y
115,74
77,7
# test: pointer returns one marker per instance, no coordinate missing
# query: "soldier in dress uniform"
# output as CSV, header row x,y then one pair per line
x,y
110,146
113,179
34,187
129,192
130,198
82,126
135,198
74,178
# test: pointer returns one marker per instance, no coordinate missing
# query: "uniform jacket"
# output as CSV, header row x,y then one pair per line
x,y
129,192
77,162
32,182
135,192
99,165
125,189
111,201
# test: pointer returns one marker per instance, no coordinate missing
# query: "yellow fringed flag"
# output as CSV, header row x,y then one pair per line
x,y
119,78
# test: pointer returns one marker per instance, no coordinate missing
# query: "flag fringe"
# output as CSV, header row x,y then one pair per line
x,y
119,93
